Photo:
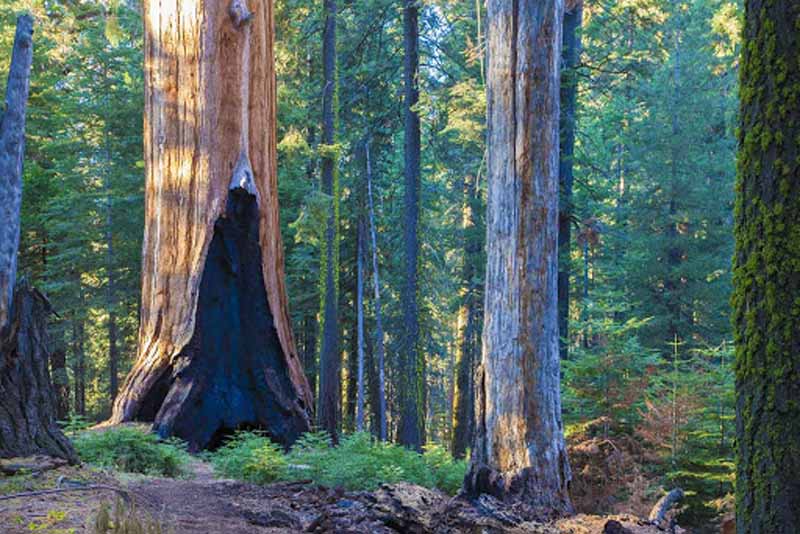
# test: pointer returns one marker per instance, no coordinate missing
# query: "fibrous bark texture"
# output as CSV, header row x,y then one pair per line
x,y
766,266
27,401
519,453
12,148
210,128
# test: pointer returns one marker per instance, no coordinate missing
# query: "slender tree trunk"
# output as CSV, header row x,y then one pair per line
x,y
411,431
360,321
12,150
58,375
330,372
519,454
80,366
765,280
111,304
216,350
371,366
569,90
468,337
310,351
310,322
376,283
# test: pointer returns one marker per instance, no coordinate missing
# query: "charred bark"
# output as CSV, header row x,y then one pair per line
x,y
27,401
519,454
216,350
231,374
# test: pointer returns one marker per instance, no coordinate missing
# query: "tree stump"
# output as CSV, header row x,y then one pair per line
x,y
27,400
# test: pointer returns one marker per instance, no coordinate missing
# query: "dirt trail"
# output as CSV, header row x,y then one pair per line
x,y
205,504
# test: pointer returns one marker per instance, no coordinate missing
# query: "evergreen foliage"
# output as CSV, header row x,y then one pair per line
x,y
358,462
132,450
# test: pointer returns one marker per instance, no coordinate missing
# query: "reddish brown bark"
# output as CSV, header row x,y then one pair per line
x,y
210,104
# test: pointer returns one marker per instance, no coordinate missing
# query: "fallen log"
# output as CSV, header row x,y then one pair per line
x,y
664,504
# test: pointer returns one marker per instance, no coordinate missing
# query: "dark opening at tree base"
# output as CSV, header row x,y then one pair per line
x,y
232,374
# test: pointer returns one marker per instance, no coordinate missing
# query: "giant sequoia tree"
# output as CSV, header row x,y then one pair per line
x,y
518,452
216,350
766,267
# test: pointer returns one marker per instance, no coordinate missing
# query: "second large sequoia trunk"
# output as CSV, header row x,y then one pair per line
x,y
216,350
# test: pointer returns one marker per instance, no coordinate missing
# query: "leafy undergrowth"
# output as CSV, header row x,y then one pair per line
x,y
358,462
132,450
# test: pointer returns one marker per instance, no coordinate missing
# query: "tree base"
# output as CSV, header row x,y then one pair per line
x,y
232,375
27,400
527,496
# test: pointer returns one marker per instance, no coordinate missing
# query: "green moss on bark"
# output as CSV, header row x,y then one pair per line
x,y
767,271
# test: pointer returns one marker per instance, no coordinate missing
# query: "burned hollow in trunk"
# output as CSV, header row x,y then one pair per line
x,y
231,374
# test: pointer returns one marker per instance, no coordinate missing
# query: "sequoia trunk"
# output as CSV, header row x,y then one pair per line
x,y
216,350
766,282
518,453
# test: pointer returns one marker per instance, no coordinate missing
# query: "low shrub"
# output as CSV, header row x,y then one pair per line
x,y
358,462
250,456
132,450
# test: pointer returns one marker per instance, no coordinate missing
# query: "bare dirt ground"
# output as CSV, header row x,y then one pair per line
x,y
205,504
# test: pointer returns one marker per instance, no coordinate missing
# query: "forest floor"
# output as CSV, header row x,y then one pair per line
x,y
205,504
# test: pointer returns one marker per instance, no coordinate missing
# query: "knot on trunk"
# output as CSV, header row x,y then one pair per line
x,y
239,13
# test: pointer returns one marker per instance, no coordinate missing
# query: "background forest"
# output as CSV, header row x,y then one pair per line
x,y
648,207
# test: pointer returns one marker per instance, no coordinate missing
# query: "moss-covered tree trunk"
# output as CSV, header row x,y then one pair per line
x,y
519,454
216,350
766,278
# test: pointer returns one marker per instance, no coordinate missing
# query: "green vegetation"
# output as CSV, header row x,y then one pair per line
x,y
359,462
132,450
650,339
